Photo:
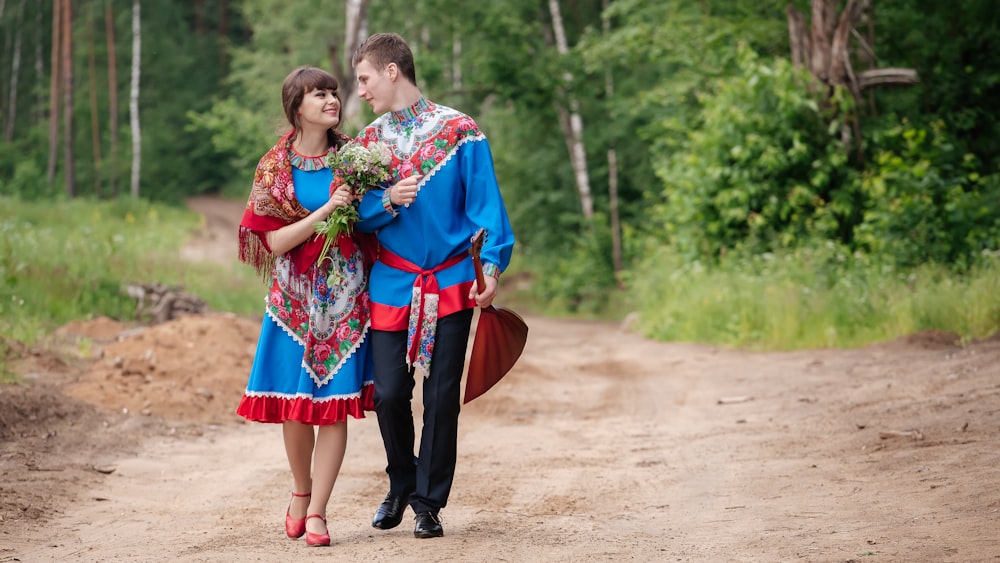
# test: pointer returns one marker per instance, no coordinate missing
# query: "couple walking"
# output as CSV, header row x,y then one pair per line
x,y
347,334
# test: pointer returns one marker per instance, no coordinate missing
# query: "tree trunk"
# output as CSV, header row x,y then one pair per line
x,y
199,18
38,115
95,130
356,30
887,77
133,105
456,62
616,230
571,121
825,52
798,38
824,20
6,47
223,30
67,74
870,57
54,85
15,67
109,31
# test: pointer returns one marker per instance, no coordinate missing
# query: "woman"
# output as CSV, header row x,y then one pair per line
x,y
312,366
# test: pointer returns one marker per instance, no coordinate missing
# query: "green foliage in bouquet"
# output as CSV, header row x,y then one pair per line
x,y
362,168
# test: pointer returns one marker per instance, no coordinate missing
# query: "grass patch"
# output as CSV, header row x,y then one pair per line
x,y
822,298
70,259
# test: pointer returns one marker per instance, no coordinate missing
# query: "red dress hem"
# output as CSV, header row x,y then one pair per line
x,y
278,409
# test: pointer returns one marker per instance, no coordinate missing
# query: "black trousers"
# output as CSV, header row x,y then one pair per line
x,y
428,477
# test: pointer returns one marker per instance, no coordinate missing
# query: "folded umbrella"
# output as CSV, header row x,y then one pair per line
x,y
500,337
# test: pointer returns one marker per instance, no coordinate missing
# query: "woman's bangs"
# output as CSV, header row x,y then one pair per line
x,y
315,79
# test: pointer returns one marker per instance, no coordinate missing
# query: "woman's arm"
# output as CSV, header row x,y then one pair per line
x,y
288,237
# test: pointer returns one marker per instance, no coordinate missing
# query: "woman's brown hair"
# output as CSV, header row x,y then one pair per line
x,y
306,79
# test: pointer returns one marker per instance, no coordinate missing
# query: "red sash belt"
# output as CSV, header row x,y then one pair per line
x,y
423,306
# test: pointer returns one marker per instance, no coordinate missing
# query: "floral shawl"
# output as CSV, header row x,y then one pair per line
x,y
272,205
323,307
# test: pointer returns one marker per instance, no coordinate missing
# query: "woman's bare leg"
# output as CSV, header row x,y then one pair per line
x,y
331,444
299,443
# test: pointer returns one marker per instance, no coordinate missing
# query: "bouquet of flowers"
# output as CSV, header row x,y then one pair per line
x,y
361,168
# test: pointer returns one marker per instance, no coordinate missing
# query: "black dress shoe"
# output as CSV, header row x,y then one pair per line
x,y
390,512
428,526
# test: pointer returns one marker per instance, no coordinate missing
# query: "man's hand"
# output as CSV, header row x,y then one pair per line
x,y
485,298
405,191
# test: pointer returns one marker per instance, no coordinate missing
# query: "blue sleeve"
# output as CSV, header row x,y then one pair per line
x,y
375,211
484,204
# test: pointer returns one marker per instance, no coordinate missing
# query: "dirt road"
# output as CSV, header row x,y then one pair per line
x,y
598,446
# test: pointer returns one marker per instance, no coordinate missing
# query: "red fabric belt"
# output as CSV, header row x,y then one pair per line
x,y
427,283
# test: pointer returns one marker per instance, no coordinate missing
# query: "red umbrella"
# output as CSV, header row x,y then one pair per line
x,y
500,337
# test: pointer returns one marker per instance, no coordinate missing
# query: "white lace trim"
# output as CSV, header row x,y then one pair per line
x,y
305,365
430,174
292,397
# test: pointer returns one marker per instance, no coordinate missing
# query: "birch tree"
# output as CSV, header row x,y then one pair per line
x,y
134,100
355,31
570,119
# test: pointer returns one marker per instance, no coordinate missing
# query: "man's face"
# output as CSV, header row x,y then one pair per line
x,y
375,87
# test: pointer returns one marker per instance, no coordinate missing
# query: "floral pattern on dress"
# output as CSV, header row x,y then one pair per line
x,y
326,309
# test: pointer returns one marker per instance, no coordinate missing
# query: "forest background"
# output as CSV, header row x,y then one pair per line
x,y
744,172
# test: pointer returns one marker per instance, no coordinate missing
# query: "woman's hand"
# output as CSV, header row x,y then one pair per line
x,y
288,237
405,191
343,195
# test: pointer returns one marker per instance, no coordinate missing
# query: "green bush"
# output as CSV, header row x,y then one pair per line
x,y
924,203
761,170
582,281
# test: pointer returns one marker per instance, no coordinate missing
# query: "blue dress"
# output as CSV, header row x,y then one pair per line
x,y
283,384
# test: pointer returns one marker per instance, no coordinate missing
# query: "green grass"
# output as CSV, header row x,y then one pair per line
x,y
811,299
69,259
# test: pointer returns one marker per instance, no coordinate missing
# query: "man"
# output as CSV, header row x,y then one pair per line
x,y
423,287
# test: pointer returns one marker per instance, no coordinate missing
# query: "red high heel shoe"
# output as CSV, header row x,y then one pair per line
x,y
295,527
314,540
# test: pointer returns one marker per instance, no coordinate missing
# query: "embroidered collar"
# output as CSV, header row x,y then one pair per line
x,y
408,114
307,163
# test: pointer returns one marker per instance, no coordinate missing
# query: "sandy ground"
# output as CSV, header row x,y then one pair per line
x,y
122,445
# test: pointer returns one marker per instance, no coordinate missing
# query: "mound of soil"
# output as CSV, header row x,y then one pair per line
x,y
97,389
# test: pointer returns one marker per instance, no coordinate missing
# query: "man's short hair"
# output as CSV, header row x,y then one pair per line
x,y
381,49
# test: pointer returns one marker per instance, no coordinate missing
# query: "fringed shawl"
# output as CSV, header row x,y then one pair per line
x,y
324,307
272,205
